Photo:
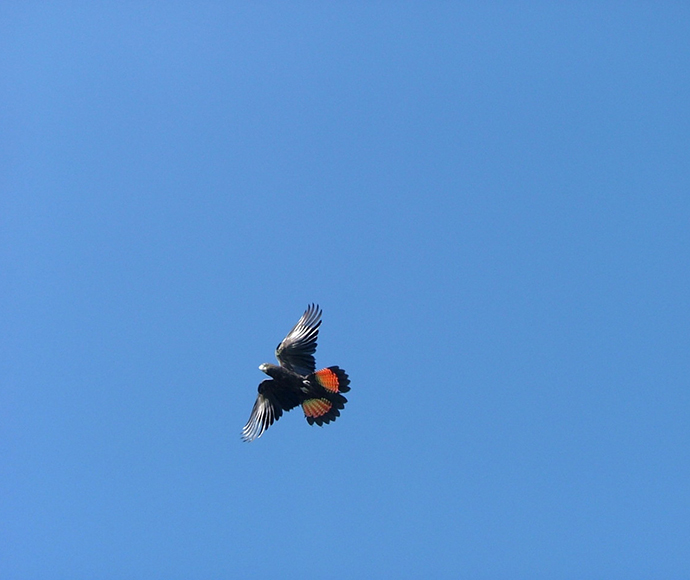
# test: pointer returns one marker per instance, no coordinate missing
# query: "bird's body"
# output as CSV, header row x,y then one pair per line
x,y
295,382
278,373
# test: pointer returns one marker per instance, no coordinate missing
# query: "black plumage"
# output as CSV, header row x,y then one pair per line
x,y
296,382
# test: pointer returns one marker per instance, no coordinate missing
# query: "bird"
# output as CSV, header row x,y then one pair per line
x,y
296,382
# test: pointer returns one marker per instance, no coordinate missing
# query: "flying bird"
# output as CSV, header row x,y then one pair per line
x,y
296,382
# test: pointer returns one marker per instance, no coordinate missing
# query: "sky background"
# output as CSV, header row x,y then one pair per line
x,y
490,202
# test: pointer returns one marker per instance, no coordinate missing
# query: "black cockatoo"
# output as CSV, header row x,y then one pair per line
x,y
295,382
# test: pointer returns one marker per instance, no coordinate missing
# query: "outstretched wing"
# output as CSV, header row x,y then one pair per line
x,y
268,408
296,352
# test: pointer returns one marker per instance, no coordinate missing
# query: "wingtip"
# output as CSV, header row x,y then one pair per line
x,y
313,312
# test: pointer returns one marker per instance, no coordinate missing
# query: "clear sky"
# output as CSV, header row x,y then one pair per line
x,y
491,204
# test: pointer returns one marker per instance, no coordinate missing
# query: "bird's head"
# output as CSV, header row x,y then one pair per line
x,y
263,367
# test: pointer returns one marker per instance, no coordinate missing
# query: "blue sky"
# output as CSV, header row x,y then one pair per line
x,y
489,201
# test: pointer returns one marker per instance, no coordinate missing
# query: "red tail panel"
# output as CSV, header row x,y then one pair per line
x,y
327,379
314,408
333,379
